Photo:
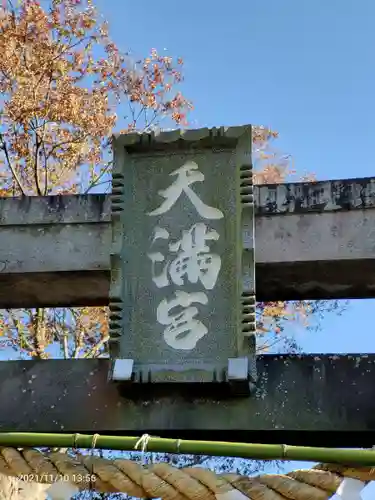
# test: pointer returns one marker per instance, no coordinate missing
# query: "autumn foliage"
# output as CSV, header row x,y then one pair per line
x,y
59,98
65,87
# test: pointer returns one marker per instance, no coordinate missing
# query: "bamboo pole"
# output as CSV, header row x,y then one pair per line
x,y
349,457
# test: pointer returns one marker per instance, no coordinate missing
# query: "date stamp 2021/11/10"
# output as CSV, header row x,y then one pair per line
x,y
54,478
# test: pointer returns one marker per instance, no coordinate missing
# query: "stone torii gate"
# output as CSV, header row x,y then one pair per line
x,y
173,256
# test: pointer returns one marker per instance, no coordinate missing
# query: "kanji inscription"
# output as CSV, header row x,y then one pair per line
x,y
193,260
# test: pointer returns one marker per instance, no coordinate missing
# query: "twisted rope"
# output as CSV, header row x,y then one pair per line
x,y
170,483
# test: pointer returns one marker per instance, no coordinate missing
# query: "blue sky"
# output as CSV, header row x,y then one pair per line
x,y
304,68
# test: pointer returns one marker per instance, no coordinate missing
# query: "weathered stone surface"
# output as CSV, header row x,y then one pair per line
x,y
297,398
313,240
164,313
322,196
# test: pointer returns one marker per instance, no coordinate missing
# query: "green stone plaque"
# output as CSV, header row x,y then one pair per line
x,y
182,295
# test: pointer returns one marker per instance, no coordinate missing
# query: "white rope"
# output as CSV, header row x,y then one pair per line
x,y
143,442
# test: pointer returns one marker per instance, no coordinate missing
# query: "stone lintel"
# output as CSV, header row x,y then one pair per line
x,y
299,399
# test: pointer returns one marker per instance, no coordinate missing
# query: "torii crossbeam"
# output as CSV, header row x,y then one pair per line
x,y
313,240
